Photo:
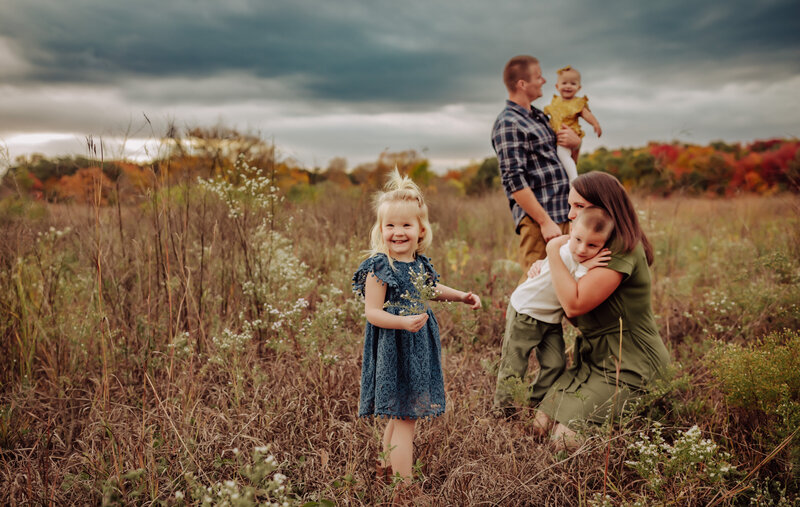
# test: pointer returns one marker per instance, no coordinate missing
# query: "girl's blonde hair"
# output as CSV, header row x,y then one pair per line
x,y
399,190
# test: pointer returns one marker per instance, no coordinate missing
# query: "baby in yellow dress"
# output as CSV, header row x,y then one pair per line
x,y
566,109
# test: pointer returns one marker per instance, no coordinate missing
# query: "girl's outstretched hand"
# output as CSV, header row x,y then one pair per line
x,y
472,300
600,259
414,323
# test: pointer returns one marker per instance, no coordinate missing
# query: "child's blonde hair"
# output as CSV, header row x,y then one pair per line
x,y
399,190
568,68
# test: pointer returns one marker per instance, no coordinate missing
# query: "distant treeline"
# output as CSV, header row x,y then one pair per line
x,y
717,169
722,169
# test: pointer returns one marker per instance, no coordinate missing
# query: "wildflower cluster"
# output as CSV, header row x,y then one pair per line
x,y
264,485
717,314
290,315
289,320
230,344
253,189
770,492
275,277
182,346
719,310
52,234
690,458
415,302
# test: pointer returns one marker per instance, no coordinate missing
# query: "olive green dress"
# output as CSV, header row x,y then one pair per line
x,y
622,332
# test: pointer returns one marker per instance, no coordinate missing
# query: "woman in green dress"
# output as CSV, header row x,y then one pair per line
x,y
619,351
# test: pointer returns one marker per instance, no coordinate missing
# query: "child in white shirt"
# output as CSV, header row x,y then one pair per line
x,y
533,318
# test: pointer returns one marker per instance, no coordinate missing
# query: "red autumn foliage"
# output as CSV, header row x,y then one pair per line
x,y
760,167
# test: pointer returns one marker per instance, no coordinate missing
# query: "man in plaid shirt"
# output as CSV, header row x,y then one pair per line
x,y
534,179
537,187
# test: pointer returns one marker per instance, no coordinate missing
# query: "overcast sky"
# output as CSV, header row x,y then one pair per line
x,y
352,78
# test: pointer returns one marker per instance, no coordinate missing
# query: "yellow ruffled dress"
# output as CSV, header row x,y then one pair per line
x,y
566,112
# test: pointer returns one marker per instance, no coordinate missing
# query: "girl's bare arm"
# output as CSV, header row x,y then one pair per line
x,y
374,296
445,293
587,115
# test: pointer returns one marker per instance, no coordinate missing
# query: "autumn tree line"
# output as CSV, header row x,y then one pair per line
x,y
719,169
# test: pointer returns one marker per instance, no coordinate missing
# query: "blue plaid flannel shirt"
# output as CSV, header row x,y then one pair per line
x,y
526,154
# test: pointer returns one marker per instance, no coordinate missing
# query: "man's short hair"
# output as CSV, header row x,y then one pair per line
x,y
518,68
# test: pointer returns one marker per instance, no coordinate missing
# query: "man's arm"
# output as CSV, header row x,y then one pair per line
x,y
509,143
528,202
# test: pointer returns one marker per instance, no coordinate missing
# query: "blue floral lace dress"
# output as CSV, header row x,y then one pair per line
x,y
401,372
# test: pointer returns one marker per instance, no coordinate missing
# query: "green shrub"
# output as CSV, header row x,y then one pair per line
x,y
765,377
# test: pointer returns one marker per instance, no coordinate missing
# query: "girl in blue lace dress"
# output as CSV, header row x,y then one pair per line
x,y
401,372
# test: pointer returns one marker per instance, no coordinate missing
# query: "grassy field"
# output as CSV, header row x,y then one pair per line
x,y
204,347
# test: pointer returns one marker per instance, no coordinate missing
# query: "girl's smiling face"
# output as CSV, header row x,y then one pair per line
x,y
576,203
569,83
401,230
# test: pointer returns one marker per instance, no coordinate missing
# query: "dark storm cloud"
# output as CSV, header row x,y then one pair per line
x,y
398,52
695,33
339,53
353,78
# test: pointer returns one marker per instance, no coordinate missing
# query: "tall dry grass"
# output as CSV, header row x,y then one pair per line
x,y
148,341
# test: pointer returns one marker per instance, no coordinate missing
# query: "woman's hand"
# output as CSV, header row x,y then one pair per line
x,y
414,323
599,260
472,300
555,244
535,268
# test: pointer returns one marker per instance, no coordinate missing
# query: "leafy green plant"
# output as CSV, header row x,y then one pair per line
x,y
763,376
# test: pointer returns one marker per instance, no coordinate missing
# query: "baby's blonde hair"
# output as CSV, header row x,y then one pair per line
x,y
399,190
568,68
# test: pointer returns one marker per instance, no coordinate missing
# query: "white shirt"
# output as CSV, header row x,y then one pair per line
x,y
536,297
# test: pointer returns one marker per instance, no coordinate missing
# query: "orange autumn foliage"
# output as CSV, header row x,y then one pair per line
x,y
87,186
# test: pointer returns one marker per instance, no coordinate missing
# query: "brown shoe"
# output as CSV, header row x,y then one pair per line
x,y
504,413
410,494
383,474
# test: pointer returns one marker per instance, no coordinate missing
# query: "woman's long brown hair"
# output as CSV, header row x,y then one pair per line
x,y
605,191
